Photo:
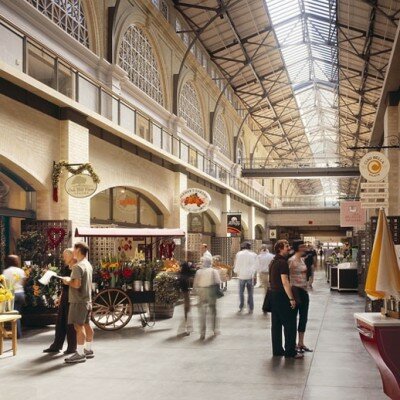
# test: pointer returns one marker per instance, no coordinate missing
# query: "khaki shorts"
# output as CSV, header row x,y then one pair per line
x,y
79,313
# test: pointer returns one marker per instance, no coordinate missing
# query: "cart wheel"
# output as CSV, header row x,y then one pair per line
x,y
112,309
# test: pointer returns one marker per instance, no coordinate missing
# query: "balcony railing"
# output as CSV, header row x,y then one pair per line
x,y
23,52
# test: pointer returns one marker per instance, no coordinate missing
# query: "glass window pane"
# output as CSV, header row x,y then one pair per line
x,y
100,206
41,66
66,80
11,48
88,94
125,205
147,214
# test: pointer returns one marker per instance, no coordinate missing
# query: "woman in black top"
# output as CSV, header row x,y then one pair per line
x,y
283,304
185,278
63,329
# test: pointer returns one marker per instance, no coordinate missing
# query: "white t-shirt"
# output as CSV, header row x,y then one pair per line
x,y
245,264
263,261
10,274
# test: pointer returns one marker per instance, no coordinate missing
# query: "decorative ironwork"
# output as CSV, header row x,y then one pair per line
x,y
221,138
67,14
137,58
189,108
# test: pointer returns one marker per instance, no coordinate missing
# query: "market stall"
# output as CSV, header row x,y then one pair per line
x,y
124,276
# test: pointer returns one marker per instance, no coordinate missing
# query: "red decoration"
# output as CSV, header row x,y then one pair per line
x,y
55,194
55,236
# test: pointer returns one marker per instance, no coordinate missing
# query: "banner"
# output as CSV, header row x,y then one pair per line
x,y
351,214
234,223
195,200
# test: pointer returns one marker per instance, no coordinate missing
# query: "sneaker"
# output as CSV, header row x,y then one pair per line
x,y
88,353
75,358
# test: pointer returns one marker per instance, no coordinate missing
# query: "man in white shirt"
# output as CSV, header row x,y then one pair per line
x,y
205,251
245,269
263,260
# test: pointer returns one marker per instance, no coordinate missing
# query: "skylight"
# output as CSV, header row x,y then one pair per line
x,y
307,35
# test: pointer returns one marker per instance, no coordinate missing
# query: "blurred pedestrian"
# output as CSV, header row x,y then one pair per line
x,y
264,259
15,277
63,329
283,304
186,273
206,283
298,280
245,268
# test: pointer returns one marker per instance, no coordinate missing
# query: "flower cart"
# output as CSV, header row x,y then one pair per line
x,y
117,296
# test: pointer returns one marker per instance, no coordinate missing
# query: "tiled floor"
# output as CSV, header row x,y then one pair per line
x,y
154,364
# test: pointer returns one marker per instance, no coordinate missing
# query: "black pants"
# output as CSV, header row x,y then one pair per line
x,y
302,309
282,315
62,327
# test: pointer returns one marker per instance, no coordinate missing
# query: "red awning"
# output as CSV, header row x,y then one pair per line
x,y
128,232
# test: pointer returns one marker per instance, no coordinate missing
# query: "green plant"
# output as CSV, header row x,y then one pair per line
x,y
167,288
37,294
31,246
147,273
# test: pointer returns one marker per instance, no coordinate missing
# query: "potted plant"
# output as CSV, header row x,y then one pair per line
x,y
147,277
167,294
137,277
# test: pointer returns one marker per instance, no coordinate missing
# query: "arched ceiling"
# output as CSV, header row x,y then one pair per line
x,y
310,72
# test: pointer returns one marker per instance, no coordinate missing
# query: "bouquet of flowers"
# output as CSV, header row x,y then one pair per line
x,y
167,288
6,292
37,294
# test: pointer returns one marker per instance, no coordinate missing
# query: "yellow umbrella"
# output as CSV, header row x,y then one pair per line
x,y
383,279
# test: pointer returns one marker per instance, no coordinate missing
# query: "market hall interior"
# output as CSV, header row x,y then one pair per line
x,y
160,132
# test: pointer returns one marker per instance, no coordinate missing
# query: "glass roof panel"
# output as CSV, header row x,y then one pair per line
x,y
306,31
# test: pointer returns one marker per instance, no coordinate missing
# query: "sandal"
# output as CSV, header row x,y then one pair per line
x,y
303,349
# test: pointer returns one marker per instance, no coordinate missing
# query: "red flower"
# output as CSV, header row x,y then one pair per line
x,y
105,276
127,273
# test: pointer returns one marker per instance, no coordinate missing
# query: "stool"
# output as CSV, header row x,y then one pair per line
x,y
13,318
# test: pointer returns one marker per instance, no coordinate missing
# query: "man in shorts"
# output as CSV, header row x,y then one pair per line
x,y
80,299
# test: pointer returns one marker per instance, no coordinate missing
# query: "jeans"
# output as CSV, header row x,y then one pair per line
x,y
19,301
243,283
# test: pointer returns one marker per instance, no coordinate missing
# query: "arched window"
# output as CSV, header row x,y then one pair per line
x,y
189,109
220,138
125,207
136,57
240,152
67,14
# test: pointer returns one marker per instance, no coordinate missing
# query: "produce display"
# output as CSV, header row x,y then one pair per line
x,y
171,265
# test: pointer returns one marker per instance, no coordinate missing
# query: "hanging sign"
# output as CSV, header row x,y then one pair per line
x,y
194,200
273,234
80,186
234,224
351,214
374,166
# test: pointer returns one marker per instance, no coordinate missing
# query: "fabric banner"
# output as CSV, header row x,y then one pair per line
x,y
234,224
383,279
351,214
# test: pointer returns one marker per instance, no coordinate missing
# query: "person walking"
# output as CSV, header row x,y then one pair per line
x,y
283,304
204,250
80,304
185,276
298,279
310,259
245,268
63,329
264,259
206,282
15,278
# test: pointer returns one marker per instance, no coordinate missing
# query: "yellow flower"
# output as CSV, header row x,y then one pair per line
x,y
2,279
2,298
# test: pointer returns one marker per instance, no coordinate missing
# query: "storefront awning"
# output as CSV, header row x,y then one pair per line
x,y
128,232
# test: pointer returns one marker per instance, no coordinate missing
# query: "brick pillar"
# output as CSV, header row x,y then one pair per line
x,y
74,148
391,137
178,217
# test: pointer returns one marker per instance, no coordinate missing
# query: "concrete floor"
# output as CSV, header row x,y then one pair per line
x,y
154,364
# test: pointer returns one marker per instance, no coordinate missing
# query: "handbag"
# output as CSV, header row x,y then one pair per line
x,y
217,291
297,294
266,307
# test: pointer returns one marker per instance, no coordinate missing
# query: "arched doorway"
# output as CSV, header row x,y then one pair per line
x,y
259,232
201,229
17,203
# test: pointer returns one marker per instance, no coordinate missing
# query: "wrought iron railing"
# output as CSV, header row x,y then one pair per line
x,y
38,61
